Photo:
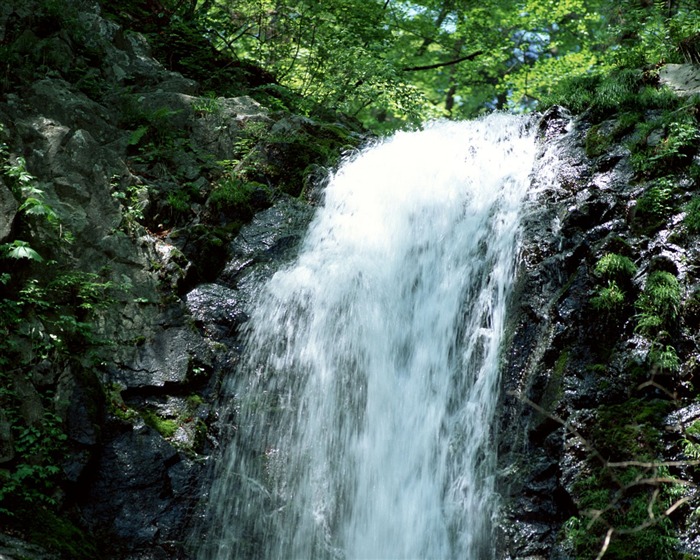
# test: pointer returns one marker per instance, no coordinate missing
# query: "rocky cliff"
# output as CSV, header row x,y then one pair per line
x,y
600,420
123,190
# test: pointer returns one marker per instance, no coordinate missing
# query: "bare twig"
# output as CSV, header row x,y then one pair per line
x,y
606,543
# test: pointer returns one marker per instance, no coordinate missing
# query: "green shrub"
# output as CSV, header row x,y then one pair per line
x,y
39,449
658,305
237,198
663,358
677,140
615,500
615,267
628,430
691,220
655,205
611,92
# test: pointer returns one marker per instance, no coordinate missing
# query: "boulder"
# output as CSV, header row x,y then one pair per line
x,y
683,79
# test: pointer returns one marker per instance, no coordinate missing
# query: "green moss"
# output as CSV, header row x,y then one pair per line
x,y
116,405
607,499
597,141
628,430
163,426
553,392
59,535
599,369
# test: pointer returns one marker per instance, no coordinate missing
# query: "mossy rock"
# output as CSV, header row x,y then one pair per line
x,y
287,162
628,430
53,532
598,140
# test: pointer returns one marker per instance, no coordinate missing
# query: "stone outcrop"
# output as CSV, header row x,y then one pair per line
x,y
589,408
150,183
683,79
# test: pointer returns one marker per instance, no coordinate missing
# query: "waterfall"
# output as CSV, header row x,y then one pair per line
x,y
362,420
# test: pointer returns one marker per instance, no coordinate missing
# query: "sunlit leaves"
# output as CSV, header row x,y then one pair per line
x,y
352,55
545,74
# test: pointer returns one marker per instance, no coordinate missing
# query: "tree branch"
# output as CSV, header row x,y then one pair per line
x,y
471,56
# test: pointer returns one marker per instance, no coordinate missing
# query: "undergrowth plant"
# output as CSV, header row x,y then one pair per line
x,y
691,220
655,205
658,304
46,312
658,307
614,273
622,505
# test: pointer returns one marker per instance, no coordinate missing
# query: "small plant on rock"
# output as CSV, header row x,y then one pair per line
x,y
617,270
691,220
615,267
658,304
655,205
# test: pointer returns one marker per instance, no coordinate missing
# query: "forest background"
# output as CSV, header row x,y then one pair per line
x,y
392,63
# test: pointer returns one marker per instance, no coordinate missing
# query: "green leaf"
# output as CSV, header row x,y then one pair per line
x,y
136,135
36,207
21,250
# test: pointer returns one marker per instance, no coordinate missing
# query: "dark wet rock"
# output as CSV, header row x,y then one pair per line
x,y
80,403
545,374
555,122
273,236
576,372
168,358
137,492
13,548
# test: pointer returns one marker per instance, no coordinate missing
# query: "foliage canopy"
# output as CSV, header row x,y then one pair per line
x,y
392,62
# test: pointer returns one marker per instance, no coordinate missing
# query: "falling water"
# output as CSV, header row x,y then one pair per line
x,y
362,422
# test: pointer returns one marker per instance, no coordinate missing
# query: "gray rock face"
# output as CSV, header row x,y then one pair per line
x,y
8,210
683,79
272,237
134,464
12,548
139,418
165,359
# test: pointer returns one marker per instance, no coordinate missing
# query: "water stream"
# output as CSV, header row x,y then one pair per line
x,y
362,421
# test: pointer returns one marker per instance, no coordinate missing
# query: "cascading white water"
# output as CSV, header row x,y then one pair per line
x,y
362,420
